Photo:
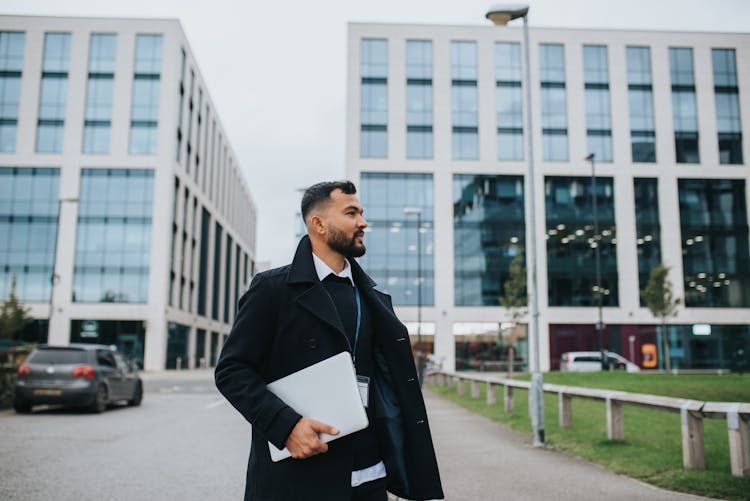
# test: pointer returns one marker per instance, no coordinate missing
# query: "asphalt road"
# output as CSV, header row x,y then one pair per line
x,y
186,443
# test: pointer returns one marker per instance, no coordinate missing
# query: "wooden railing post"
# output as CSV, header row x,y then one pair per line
x,y
739,447
474,389
461,387
693,454
508,399
565,409
615,428
491,394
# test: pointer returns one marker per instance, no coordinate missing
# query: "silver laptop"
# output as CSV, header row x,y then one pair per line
x,y
327,392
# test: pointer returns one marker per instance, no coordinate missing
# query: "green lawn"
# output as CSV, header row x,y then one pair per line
x,y
652,450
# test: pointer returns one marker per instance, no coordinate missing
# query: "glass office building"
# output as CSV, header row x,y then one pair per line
x,y
109,236
661,112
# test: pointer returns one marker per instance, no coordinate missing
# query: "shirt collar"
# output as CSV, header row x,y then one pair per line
x,y
323,270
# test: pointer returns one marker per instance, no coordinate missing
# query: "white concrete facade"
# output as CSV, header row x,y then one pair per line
x,y
442,167
222,190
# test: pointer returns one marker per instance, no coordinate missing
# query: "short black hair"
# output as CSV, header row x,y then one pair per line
x,y
321,192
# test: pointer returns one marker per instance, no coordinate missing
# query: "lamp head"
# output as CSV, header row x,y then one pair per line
x,y
502,13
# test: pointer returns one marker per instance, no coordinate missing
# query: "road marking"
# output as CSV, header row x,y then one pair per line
x,y
213,405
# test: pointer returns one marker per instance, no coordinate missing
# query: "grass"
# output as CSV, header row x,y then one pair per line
x,y
652,450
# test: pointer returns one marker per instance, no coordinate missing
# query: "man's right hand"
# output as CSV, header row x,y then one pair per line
x,y
304,441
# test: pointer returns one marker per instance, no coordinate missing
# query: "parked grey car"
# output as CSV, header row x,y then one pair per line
x,y
82,375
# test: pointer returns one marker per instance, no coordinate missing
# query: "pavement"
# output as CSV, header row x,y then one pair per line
x,y
480,459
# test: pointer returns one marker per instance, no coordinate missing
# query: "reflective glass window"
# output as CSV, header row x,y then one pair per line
x,y
727,106
113,241
647,227
28,224
508,101
641,105
374,98
398,244
99,93
554,104
53,93
571,241
488,232
419,99
596,85
11,66
715,252
684,111
464,112
145,98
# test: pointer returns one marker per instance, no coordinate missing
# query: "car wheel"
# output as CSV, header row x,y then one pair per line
x,y
100,400
137,395
21,407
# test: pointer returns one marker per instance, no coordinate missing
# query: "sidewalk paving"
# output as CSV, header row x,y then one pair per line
x,y
480,459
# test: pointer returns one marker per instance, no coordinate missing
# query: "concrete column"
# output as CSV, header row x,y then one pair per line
x,y
461,387
693,455
491,394
475,389
508,399
615,422
565,410
739,444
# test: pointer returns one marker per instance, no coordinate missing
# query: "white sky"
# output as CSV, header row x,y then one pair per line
x,y
277,71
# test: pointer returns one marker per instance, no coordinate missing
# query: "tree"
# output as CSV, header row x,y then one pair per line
x,y
659,298
13,316
514,300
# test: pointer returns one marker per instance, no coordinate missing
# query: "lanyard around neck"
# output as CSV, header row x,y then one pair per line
x,y
359,321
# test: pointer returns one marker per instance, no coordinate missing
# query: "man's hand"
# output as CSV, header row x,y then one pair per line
x,y
304,441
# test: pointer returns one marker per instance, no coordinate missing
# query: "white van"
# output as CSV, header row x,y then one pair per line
x,y
591,361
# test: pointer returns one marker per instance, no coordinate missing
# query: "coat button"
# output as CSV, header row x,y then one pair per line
x,y
312,343
420,421
410,380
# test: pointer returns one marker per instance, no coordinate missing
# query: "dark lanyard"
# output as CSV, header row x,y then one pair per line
x,y
356,332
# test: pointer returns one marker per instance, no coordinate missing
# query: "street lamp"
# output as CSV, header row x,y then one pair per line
x,y
416,211
54,278
501,15
596,244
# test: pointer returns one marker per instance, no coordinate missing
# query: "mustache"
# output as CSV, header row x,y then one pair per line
x,y
359,233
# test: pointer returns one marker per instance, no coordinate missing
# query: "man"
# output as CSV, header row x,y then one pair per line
x,y
295,316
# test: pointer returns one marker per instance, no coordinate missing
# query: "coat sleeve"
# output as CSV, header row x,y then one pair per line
x,y
238,371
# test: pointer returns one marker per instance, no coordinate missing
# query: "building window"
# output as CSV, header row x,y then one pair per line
x,y
715,255
647,228
203,262
11,67
99,94
180,105
217,271
28,226
419,99
374,105
684,113
641,104
53,93
508,101
571,242
392,259
113,243
554,105
488,232
727,106
227,277
144,115
464,114
596,88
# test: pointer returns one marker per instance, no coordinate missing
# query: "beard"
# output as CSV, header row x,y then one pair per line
x,y
347,247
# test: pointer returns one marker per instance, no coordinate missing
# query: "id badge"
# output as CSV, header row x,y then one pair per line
x,y
363,385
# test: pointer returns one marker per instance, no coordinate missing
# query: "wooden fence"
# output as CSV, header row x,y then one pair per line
x,y
692,413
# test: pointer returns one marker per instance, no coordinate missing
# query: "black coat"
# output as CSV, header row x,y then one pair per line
x,y
286,321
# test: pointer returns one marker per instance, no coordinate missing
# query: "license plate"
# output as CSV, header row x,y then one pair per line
x,y
48,392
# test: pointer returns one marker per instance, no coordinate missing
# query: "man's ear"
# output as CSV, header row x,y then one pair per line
x,y
317,225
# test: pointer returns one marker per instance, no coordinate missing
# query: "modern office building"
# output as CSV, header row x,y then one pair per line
x,y
436,123
117,179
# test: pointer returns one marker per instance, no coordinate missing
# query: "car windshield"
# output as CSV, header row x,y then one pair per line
x,y
57,357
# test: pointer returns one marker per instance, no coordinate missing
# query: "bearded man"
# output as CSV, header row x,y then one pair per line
x,y
292,317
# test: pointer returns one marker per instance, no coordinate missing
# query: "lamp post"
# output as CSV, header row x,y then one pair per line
x,y
598,289
501,15
409,211
54,278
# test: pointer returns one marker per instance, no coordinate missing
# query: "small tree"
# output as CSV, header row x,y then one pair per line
x,y
659,298
13,316
514,300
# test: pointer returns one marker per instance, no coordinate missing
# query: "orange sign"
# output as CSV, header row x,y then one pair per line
x,y
650,358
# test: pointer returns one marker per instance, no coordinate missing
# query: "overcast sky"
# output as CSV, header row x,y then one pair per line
x,y
276,71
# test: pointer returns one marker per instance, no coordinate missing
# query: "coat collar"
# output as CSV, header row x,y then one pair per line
x,y
302,269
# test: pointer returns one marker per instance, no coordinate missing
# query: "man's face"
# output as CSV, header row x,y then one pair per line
x,y
345,224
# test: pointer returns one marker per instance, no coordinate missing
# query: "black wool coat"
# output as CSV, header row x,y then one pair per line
x,y
286,321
